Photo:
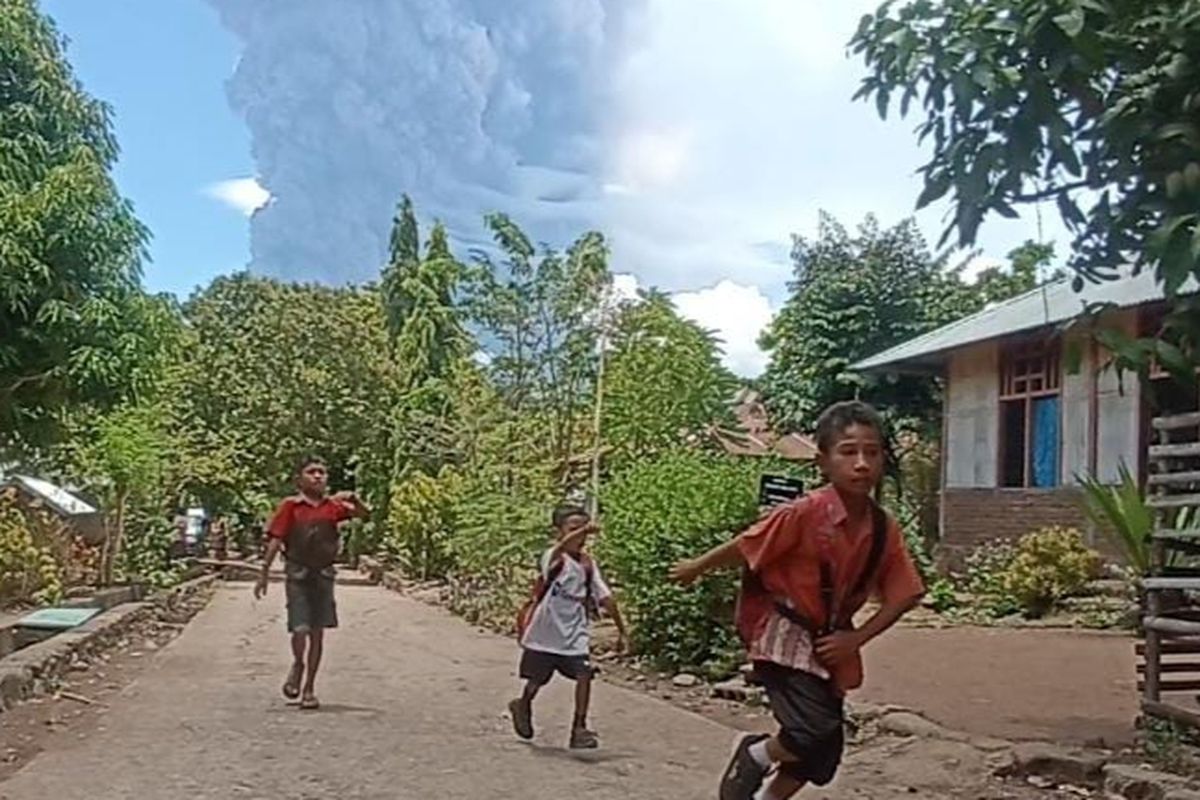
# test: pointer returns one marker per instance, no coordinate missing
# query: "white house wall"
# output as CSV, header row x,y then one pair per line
x,y
972,417
1119,400
973,425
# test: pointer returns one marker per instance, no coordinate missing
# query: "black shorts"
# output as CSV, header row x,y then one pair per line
x,y
538,667
811,717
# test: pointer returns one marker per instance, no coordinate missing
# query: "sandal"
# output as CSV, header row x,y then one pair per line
x,y
291,687
309,703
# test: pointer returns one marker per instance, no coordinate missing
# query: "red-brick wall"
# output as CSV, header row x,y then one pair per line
x,y
974,516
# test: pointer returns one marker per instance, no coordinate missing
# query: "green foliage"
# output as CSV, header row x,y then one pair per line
x,y
31,571
1122,514
276,370
1049,565
421,523
542,310
689,390
856,295
662,510
1092,105
984,578
74,325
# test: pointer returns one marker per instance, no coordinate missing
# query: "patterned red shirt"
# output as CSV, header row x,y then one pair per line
x,y
786,548
300,510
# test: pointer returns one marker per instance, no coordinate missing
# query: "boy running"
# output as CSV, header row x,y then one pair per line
x,y
306,528
555,638
811,564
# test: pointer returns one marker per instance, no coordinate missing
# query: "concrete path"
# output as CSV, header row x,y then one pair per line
x,y
413,708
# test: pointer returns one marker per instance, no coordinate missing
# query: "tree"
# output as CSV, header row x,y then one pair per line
x,y
664,380
74,325
277,370
540,312
1091,104
855,296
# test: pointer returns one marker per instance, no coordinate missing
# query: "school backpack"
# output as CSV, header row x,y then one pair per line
x,y
313,544
542,585
754,602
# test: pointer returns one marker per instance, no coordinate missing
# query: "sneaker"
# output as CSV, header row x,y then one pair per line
x,y
522,718
744,776
583,739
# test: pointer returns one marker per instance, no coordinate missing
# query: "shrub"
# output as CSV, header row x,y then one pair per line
x,y
1050,564
29,568
984,578
420,523
657,512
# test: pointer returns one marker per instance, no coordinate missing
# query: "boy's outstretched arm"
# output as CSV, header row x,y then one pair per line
x,y
727,555
264,578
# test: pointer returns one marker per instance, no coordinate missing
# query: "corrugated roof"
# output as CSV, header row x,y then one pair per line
x,y
1051,304
58,498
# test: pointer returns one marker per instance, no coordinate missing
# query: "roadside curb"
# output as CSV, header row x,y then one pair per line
x,y
36,669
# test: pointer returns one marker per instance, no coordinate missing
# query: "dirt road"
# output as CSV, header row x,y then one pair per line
x,y
413,708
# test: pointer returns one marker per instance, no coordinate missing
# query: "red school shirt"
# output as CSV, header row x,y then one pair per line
x,y
786,548
299,510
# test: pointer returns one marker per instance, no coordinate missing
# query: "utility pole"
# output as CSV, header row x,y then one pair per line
x,y
598,410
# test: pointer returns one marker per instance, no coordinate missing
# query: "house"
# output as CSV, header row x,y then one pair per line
x,y
754,437
1018,426
75,514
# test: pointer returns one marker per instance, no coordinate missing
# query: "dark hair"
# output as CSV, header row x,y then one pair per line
x,y
306,462
564,512
838,417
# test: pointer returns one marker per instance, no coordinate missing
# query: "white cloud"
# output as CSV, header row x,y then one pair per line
x,y
738,314
244,195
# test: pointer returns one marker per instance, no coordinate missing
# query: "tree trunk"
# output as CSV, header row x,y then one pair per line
x,y
115,539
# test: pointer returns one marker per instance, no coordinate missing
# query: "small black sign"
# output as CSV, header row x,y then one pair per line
x,y
775,490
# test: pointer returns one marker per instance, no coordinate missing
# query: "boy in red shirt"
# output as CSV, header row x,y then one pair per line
x,y
812,566
305,527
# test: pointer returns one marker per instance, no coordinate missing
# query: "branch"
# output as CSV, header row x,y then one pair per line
x,y
41,377
1047,193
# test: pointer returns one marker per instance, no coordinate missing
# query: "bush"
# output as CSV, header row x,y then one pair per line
x,y
657,512
1031,575
1050,564
29,568
984,578
420,523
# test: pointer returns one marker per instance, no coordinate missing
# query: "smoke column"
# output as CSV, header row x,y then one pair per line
x,y
467,105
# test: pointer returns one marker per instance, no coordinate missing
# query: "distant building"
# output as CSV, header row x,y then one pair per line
x,y
79,516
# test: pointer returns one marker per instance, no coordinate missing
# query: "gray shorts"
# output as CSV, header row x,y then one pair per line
x,y
310,603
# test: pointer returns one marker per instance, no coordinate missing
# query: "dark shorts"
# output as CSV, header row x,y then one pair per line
x,y
310,602
538,667
810,713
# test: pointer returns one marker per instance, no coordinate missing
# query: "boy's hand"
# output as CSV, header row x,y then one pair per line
x,y
623,647
347,497
686,572
260,587
839,646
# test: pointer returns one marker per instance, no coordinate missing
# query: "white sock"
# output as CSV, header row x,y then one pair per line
x,y
764,792
758,752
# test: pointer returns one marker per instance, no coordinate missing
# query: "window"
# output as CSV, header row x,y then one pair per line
x,y
1030,381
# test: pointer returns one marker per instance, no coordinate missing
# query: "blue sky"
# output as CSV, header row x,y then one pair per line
x,y
161,65
699,142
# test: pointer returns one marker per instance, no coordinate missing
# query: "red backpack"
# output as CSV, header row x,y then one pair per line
x,y
542,585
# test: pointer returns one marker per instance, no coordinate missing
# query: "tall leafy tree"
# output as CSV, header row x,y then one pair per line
x,y
276,370
664,380
74,325
854,295
539,310
1090,104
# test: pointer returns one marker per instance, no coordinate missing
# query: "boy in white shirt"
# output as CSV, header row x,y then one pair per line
x,y
554,627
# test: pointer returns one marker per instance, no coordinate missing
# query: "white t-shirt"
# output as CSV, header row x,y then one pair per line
x,y
559,624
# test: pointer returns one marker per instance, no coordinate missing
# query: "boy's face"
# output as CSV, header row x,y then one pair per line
x,y
572,524
313,479
855,462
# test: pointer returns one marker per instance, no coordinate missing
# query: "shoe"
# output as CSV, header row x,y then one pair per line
x,y
744,776
522,718
583,739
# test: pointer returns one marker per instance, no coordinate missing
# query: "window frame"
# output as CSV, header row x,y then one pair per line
x,y
1020,382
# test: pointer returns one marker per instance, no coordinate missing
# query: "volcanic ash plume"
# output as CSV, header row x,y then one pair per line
x,y
468,105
